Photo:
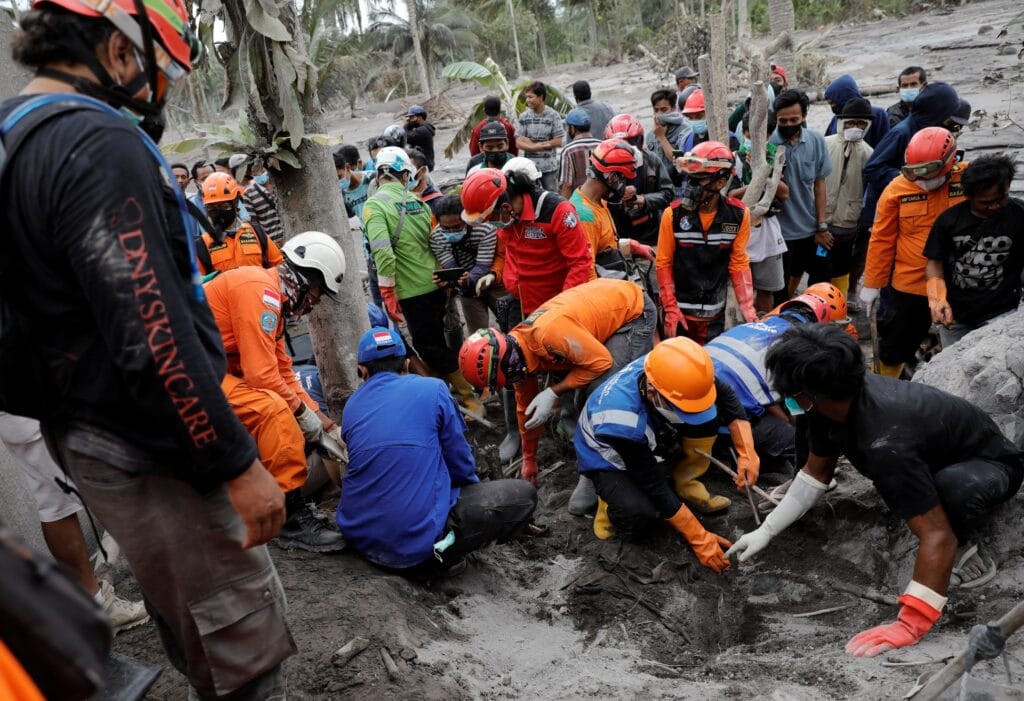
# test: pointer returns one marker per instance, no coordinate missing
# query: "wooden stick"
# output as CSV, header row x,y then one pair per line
x,y
948,675
729,471
473,417
822,612
746,488
389,665
346,652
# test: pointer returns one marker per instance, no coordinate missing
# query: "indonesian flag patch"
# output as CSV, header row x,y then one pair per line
x,y
271,298
383,339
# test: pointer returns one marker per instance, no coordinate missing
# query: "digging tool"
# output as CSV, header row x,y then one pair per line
x,y
729,471
474,417
1012,621
332,447
876,363
746,488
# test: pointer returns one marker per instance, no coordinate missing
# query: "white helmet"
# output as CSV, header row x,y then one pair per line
x,y
394,159
523,166
314,254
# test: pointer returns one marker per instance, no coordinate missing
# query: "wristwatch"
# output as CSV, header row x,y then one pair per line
x,y
822,226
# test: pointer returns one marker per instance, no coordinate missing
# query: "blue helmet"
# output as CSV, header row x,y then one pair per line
x,y
376,315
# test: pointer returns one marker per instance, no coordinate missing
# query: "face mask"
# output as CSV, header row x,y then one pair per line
x,y
853,134
793,407
499,220
494,160
931,183
345,183
221,218
672,119
699,126
747,144
837,110
691,195
909,94
262,178
453,235
669,415
412,184
788,131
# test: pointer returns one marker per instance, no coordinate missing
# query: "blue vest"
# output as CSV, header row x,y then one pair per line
x,y
738,357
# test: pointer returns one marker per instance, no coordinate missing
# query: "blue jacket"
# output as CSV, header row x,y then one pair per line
x,y
408,456
845,88
936,103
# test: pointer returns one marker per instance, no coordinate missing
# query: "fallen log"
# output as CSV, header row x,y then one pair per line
x,y
349,650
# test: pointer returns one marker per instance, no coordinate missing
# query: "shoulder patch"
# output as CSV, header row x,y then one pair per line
x,y
956,189
271,298
268,321
570,220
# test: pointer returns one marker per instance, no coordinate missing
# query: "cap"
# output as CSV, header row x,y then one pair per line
x,y
962,114
578,118
416,109
776,68
236,160
857,108
493,131
686,72
379,343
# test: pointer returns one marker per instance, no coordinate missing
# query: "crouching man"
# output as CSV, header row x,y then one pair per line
x,y
412,501
938,462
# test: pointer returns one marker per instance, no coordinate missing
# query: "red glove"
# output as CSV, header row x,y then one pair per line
x,y
743,285
916,618
391,303
529,471
673,318
636,249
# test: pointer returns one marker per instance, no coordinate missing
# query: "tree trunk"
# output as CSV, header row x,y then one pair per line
x,y
421,63
592,26
716,88
780,12
542,45
743,20
309,201
515,38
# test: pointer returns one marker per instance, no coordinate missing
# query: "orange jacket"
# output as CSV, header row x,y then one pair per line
x,y
568,331
903,220
246,303
596,221
241,247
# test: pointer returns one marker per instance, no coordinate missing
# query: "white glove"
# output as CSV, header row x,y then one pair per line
x,y
801,496
540,408
484,283
868,296
309,424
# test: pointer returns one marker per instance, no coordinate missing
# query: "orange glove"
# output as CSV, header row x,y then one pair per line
x,y
529,471
667,290
942,313
916,618
391,303
748,465
706,545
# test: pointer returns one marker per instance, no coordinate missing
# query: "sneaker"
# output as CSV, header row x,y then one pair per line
x,y
123,614
305,531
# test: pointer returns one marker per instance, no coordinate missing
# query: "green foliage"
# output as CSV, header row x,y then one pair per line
x,y
813,13
219,140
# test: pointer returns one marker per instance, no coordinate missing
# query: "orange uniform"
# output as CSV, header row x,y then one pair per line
x,y
903,220
15,683
260,384
240,247
596,221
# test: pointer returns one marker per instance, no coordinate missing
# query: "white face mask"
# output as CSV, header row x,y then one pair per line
x,y
669,415
853,134
931,183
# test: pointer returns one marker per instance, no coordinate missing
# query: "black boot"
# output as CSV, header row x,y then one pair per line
x,y
305,531
509,448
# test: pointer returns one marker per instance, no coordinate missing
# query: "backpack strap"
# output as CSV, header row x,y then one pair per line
x,y
27,118
203,253
261,236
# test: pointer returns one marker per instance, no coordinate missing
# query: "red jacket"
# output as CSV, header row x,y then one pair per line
x,y
474,138
546,251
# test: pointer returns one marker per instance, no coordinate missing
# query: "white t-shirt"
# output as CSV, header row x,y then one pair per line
x,y
765,240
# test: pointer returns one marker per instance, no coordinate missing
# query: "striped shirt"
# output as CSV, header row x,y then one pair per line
x,y
263,211
574,161
475,252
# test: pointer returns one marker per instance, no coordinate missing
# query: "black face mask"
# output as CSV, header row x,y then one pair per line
x,y
221,218
690,197
494,159
837,110
790,130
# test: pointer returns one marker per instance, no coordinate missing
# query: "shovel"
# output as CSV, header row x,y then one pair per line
x,y
876,364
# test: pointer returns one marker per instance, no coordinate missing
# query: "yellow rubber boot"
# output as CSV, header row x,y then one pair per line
x,y
843,283
464,391
686,472
602,524
887,370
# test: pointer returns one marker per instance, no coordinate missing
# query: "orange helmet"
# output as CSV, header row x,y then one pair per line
x,y
480,193
818,306
930,153
481,359
694,103
176,48
835,299
707,158
681,372
220,187
615,156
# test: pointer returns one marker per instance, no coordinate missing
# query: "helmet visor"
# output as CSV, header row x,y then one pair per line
x,y
923,171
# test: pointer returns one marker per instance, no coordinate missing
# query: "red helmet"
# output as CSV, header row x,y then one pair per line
x,y
623,126
480,193
930,153
708,158
694,103
817,305
481,356
834,297
176,47
614,156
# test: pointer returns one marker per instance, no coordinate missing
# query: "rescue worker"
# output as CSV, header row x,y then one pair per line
x,y
581,336
928,185
250,305
611,165
631,429
397,225
545,248
110,302
738,356
413,502
937,461
976,252
647,195
235,242
702,243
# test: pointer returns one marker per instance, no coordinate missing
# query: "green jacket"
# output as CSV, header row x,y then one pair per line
x,y
406,262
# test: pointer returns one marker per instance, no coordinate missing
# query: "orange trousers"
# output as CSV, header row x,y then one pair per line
x,y
268,419
15,683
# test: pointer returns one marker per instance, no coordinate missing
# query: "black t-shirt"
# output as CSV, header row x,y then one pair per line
x,y
899,434
982,259
101,272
